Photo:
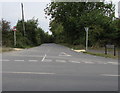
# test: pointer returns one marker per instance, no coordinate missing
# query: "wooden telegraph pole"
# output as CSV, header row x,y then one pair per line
x,y
23,19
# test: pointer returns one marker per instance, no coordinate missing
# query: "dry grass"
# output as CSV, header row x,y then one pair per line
x,y
7,49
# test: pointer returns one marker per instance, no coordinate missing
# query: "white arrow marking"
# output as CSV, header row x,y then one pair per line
x,y
64,54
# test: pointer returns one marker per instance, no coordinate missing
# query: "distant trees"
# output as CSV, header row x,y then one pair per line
x,y
34,35
68,20
7,34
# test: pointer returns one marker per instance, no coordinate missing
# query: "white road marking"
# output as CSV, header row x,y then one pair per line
x,y
32,60
47,60
63,61
105,63
18,60
44,57
89,62
114,63
101,63
110,75
34,73
5,60
64,54
74,62
29,55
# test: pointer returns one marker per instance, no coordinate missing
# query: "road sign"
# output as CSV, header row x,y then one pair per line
x,y
110,47
14,28
86,29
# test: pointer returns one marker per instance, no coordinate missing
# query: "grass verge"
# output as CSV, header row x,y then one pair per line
x,y
80,47
6,49
75,47
102,55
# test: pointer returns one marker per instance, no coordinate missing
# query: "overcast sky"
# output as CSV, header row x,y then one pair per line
x,y
11,11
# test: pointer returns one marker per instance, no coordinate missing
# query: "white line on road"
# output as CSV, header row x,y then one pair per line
x,y
100,63
64,54
18,60
114,63
47,60
44,57
32,60
34,73
89,62
63,61
5,60
74,62
105,63
110,75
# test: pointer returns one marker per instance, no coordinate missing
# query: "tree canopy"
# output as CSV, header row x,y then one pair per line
x,y
34,35
68,20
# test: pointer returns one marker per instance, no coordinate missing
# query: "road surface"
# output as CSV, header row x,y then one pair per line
x,y
52,67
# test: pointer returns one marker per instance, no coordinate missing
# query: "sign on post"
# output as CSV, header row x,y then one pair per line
x,y
110,47
86,29
14,29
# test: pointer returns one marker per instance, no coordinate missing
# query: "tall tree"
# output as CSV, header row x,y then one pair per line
x,y
75,16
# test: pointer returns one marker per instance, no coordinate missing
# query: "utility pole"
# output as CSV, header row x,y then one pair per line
x,y
23,19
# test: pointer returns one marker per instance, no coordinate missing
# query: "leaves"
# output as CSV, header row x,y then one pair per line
x,y
74,16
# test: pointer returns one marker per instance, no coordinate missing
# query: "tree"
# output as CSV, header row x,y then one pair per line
x,y
34,35
75,16
57,31
7,34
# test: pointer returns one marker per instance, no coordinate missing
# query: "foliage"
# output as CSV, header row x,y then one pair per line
x,y
7,34
68,20
34,35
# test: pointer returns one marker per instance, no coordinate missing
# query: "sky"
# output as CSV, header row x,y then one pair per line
x,y
11,11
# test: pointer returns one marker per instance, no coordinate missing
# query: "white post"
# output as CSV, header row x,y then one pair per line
x,y
86,29
14,38
86,40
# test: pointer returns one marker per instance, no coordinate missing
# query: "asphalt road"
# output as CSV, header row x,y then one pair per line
x,y
52,67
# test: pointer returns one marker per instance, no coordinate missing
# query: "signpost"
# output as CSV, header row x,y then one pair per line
x,y
110,47
86,29
14,29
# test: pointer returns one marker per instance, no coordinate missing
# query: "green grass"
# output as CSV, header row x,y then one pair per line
x,y
25,47
79,47
75,47
102,55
